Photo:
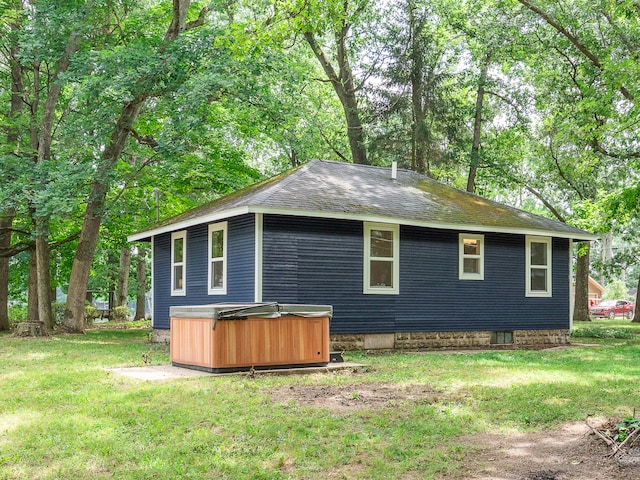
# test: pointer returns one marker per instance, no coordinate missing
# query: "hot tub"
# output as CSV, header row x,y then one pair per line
x,y
226,337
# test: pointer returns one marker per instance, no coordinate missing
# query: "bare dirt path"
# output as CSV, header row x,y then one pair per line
x,y
566,453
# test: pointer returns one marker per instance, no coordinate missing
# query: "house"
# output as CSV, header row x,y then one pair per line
x,y
595,291
405,261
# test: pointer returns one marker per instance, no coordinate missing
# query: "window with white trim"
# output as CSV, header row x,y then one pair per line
x,y
179,263
381,258
538,269
471,256
217,259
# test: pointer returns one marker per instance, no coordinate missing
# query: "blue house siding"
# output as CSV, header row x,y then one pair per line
x,y
307,260
240,268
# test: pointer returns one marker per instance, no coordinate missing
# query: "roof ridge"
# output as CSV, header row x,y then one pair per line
x,y
288,177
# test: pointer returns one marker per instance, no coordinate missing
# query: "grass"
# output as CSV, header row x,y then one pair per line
x,y
63,415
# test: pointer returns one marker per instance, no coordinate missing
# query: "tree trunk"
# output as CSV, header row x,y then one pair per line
x,y
344,87
581,298
606,254
74,321
420,133
6,222
5,242
43,274
477,127
141,281
13,137
123,277
32,287
636,313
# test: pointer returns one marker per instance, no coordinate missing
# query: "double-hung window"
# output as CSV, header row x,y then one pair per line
x,y
381,258
471,256
178,263
218,259
538,269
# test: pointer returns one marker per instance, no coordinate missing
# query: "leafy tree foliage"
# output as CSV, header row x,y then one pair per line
x,y
106,107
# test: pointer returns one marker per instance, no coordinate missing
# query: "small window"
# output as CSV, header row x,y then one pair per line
x,y
178,263
471,257
538,273
501,338
218,259
381,258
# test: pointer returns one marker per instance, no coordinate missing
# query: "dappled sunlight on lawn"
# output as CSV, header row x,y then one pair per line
x,y
11,421
505,378
95,342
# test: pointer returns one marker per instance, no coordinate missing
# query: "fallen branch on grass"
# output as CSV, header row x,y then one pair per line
x,y
604,437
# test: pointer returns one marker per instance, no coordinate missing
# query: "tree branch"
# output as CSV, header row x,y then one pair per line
x,y
199,21
20,247
144,139
561,172
335,150
574,40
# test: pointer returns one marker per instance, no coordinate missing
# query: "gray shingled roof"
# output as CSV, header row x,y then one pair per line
x,y
345,190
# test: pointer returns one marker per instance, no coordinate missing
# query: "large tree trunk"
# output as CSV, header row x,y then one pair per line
x,y
32,287
74,311
6,221
122,288
141,284
477,127
581,298
74,321
45,138
420,132
45,314
13,137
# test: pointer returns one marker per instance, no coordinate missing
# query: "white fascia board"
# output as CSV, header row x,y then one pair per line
x,y
346,216
417,223
212,217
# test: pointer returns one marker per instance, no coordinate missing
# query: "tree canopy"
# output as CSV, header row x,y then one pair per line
x,y
115,112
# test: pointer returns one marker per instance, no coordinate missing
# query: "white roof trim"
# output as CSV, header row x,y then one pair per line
x,y
212,217
416,223
347,216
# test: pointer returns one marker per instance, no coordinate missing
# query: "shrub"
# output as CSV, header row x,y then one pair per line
x,y
597,332
17,314
121,314
90,313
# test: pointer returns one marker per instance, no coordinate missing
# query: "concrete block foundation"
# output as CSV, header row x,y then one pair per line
x,y
448,340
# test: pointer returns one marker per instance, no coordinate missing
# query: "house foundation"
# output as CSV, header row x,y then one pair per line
x,y
450,340
432,340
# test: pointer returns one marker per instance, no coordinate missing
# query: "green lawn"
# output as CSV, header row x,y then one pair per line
x,y
64,416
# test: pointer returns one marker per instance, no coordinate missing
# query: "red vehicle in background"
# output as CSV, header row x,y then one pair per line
x,y
612,308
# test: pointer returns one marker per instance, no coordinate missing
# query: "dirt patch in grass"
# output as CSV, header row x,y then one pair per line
x,y
570,452
348,397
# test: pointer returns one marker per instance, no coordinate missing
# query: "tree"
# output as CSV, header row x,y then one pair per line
x,y
336,19
588,92
74,312
141,283
10,53
419,101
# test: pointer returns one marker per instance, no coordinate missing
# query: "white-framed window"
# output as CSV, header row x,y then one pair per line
x,y
471,256
538,269
217,247
179,263
381,258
